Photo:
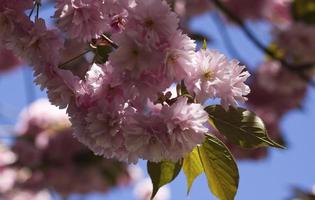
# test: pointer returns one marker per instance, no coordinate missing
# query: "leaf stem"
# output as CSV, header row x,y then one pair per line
x,y
110,42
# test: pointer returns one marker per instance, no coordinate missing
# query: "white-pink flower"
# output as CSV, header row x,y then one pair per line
x,y
179,56
81,19
41,115
104,125
167,132
154,20
216,77
185,126
133,55
111,104
36,45
298,42
26,194
232,89
7,179
7,157
18,5
189,8
209,69
8,60
146,135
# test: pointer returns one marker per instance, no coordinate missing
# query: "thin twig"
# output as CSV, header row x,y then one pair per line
x,y
259,45
37,10
74,58
29,15
226,37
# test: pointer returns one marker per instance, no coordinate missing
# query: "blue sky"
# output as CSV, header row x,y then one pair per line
x,y
269,179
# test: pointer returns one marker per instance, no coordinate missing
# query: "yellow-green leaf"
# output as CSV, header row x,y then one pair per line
x,y
162,173
220,168
192,167
240,126
204,45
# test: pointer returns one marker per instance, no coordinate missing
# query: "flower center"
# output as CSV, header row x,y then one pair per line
x,y
209,76
172,58
135,52
149,23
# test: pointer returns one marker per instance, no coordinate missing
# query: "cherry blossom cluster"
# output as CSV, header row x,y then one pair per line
x,y
45,156
297,40
273,10
119,107
276,11
9,176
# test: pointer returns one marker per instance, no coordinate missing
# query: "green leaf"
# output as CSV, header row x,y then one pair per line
x,y
304,10
240,126
204,46
192,167
199,37
183,89
220,168
162,173
101,53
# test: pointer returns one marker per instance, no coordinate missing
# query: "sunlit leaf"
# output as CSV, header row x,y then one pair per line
x,y
162,173
220,168
192,167
204,46
240,126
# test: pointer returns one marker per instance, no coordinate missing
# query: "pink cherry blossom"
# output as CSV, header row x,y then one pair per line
x,y
276,88
146,136
179,56
42,155
279,12
216,77
104,127
8,61
7,179
16,5
26,194
114,105
246,8
39,116
209,69
81,19
165,132
129,56
185,126
154,20
38,43
232,89
298,42
14,25
189,8
7,157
